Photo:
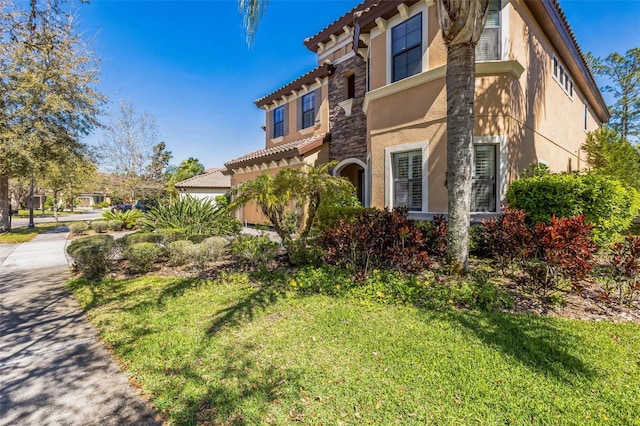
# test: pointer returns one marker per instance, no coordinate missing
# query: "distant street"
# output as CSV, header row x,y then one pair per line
x,y
86,215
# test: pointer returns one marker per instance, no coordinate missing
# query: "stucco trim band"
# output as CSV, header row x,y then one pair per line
x,y
512,67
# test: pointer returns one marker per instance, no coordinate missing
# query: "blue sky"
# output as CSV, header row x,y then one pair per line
x,y
187,63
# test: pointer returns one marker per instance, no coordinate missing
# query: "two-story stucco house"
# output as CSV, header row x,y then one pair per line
x,y
376,103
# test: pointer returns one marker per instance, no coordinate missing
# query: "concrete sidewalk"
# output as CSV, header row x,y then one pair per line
x,y
53,369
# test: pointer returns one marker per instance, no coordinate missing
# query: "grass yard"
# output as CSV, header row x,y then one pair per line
x,y
22,235
228,352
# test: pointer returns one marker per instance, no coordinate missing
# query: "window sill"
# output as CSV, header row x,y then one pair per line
x,y
346,106
277,140
307,130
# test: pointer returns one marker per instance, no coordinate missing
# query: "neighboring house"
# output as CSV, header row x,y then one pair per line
x,y
378,106
211,184
88,199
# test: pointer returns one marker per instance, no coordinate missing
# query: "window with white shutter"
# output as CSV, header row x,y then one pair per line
x,y
488,47
407,180
483,186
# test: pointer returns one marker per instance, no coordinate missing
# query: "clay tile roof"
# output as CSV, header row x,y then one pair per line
x,y
211,178
309,78
365,13
279,152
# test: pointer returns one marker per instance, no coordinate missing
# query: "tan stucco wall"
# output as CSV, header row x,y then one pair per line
x,y
250,213
293,134
539,120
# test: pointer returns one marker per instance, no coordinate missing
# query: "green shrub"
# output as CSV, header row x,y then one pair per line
x,y
607,204
78,228
130,217
179,252
254,250
216,247
99,226
207,251
92,255
48,202
194,216
141,237
546,195
115,225
142,256
168,236
101,205
197,239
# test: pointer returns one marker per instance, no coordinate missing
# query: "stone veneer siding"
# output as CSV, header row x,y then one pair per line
x,y
348,133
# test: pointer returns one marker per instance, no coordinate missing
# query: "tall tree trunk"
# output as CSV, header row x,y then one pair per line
x,y
55,205
461,76
5,204
462,23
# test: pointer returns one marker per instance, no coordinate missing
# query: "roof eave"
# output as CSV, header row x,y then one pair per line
x,y
324,70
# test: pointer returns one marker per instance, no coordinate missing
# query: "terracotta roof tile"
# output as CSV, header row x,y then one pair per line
x,y
279,152
211,178
321,71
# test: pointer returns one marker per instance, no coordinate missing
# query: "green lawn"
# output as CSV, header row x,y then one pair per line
x,y
22,235
39,213
227,352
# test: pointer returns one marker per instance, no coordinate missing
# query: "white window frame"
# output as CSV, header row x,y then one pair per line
x,y
562,76
388,172
502,38
500,143
420,7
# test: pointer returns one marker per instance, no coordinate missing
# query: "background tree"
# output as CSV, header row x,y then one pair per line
x,y
462,23
68,176
623,76
158,171
132,152
612,155
47,99
187,169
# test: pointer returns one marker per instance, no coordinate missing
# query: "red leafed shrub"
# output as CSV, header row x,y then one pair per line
x,y
435,235
376,239
625,261
507,238
567,249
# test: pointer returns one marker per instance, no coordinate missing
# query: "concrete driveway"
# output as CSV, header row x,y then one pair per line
x,y
53,369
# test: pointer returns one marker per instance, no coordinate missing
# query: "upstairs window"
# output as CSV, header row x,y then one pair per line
x,y
350,86
308,110
561,75
407,180
406,48
488,47
278,122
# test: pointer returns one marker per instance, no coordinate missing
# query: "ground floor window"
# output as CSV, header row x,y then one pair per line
x,y
483,189
407,180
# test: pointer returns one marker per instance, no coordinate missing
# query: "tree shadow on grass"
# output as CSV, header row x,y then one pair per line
x,y
534,342
244,309
241,391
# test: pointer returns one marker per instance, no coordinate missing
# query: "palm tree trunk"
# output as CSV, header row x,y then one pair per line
x,y
461,75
